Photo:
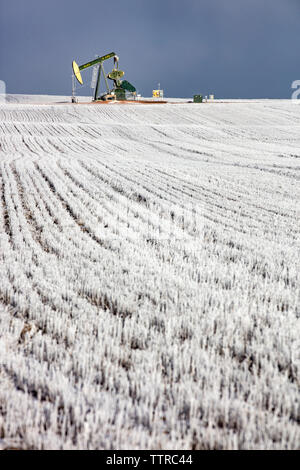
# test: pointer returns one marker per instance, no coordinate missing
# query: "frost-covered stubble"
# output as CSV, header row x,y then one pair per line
x,y
149,287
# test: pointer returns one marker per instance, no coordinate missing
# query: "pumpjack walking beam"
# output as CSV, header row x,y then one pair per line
x,y
96,61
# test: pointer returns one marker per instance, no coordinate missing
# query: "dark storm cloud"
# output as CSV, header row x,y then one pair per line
x,y
234,48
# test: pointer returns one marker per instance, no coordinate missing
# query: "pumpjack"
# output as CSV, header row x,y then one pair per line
x,y
120,87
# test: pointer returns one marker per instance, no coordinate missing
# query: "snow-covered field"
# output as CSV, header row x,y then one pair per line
x,y
150,276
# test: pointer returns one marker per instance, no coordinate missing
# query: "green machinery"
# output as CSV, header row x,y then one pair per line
x,y
118,92
198,99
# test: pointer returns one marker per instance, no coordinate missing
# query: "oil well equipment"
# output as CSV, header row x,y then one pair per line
x,y
120,89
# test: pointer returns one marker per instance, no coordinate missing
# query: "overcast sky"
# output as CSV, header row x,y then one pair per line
x,y
232,48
